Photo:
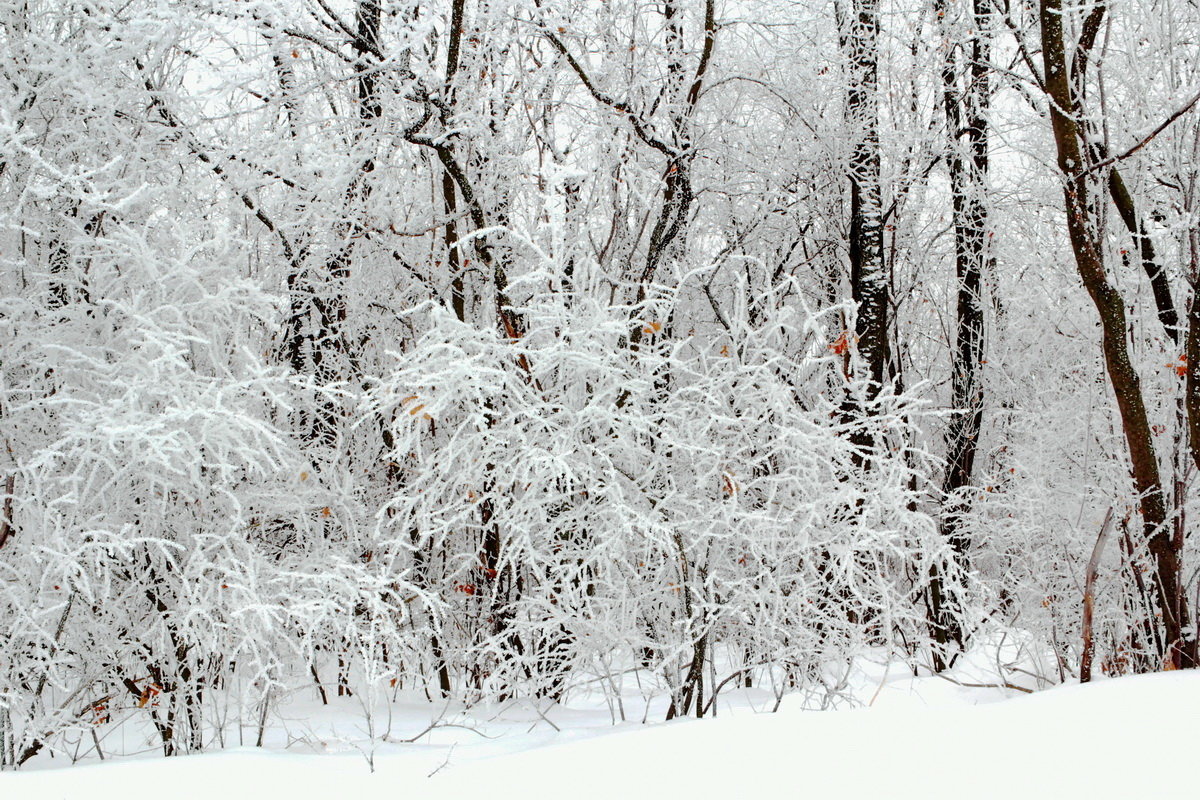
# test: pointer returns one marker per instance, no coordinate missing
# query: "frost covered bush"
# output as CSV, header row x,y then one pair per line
x,y
571,499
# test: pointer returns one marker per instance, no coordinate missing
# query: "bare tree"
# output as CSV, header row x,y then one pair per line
x,y
966,99
1079,189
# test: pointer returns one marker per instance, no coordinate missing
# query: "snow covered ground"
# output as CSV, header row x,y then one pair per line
x,y
921,737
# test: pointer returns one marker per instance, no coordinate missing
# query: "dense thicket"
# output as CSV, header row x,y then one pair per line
x,y
527,349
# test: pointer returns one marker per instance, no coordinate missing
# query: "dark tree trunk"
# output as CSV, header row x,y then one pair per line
x,y
1110,305
1192,379
6,514
966,119
458,301
1144,250
1192,351
315,338
869,284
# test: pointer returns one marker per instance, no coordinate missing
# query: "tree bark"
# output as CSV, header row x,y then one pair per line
x,y
1144,248
1089,598
870,288
1110,306
966,118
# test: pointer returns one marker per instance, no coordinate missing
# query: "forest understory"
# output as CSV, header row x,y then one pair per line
x,y
553,366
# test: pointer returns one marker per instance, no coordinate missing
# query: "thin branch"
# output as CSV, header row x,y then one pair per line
x,y
604,99
1185,108
1005,685
169,118
1026,56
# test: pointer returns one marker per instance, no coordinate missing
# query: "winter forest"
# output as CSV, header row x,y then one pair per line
x,y
625,352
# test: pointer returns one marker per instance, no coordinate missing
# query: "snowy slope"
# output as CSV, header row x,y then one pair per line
x,y
1128,738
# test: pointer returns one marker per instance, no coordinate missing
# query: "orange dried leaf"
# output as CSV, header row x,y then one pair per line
x,y
841,345
148,694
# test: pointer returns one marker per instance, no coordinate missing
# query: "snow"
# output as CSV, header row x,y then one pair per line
x,y
1132,737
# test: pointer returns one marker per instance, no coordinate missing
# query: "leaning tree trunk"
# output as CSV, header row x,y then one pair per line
x,y
1110,305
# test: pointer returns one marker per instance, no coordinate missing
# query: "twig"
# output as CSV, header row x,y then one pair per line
x,y
1005,685
434,726
717,689
444,763
545,719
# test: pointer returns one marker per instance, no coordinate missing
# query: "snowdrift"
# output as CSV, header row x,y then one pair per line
x,y
1130,738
